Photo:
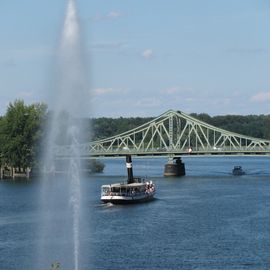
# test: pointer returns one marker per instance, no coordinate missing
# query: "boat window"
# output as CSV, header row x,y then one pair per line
x,y
105,189
115,189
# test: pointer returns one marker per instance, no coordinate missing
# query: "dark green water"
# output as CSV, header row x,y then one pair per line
x,y
208,219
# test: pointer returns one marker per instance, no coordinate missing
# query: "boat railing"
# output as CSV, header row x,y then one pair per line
x,y
126,194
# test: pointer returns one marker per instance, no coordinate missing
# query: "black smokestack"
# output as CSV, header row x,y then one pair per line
x,y
129,169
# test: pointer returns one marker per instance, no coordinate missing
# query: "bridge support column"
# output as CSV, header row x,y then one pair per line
x,y
175,167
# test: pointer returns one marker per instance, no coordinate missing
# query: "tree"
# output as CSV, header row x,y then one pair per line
x,y
21,132
96,166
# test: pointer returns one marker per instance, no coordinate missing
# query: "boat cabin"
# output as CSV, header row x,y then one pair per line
x,y
237,170
124,189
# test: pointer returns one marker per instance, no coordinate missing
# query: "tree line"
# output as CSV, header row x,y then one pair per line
x,y
251,125
22,130
257,126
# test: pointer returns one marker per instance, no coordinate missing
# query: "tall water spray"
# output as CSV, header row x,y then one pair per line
x,y
70,104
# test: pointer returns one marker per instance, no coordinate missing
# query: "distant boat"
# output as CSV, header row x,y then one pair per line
x,y
237,170
135,190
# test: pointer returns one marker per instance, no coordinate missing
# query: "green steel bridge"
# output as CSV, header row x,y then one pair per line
x,y
172,134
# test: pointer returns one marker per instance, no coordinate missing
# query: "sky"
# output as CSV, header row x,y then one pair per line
x,y
145,56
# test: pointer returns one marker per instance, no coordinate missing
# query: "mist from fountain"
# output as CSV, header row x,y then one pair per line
x,y
66,127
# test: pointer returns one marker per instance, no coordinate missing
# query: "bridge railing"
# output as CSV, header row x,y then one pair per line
x,y
84,151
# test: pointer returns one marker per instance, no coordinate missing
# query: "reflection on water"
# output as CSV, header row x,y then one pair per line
x,y
208,219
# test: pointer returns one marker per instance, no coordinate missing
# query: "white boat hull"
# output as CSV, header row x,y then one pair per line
x,y
127,199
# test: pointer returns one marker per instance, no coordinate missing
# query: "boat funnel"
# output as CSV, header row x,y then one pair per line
x,y
129,169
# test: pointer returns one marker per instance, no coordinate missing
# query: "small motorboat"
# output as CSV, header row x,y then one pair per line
x,y
134,190
237,170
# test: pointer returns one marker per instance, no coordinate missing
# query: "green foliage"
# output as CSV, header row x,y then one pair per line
x,y
20,134
107,127
257,126
96,166
250,125
21,131
55,265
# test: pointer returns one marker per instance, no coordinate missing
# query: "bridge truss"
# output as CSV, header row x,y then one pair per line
x,y
173,133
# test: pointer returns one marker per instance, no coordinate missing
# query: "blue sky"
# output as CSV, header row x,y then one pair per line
x,y
145,56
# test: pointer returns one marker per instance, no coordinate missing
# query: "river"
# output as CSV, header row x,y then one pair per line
x,y
207,219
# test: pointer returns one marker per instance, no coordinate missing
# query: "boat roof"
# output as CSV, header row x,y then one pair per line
x,y
125,185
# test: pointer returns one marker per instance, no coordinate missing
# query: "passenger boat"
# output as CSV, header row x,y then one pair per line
x,y
237,170
134,190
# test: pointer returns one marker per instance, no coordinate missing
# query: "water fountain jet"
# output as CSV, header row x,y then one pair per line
x,y
65,127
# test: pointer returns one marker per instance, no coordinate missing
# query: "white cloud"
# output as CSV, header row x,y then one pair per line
x,y
109,45
9,63
148,102
246,51
237,93
106,91
171,90
25,94
148,54
14,54
112,15
261,97
190,99
3,107
102,91
176,90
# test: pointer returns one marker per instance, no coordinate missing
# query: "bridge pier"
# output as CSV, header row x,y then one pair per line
x,y
174,167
